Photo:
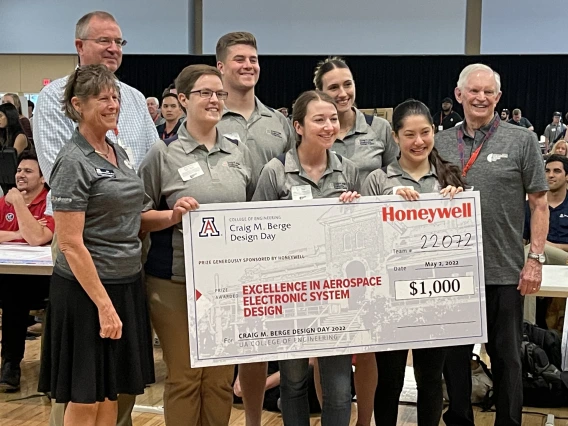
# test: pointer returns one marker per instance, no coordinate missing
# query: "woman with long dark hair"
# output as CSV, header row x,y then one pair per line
x,y
14,99
419,169
11,132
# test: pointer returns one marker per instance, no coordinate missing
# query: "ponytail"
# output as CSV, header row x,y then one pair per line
x,y
448,173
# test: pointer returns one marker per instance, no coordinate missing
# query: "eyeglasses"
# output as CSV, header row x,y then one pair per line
x,y
208,93
107,42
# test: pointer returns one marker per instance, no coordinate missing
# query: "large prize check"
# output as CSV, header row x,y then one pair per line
x,y
296,279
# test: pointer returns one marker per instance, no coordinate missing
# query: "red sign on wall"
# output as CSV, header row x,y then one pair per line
x,y
46,81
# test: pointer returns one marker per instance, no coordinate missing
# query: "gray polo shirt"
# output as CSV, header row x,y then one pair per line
x,y
111,197
184,168
289,181
508,167
267,133
552,132
381,183
369,147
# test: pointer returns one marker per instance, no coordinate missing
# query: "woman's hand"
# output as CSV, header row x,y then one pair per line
x,y
452,190
349,196
182,206
111,326
409,194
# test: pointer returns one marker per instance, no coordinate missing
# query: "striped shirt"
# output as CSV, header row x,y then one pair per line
x,y
52,129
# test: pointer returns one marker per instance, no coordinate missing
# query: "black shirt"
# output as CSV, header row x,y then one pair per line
x,y
523,122
448,121
162,130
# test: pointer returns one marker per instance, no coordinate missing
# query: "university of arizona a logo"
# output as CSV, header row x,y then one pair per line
x,y
208,228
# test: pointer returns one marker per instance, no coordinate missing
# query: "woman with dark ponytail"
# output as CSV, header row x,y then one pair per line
x,y
419,169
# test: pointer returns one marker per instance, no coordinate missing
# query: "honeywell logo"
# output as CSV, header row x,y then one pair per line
x,y
390,214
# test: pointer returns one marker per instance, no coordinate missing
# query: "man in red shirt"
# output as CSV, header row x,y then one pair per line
x,y
22,220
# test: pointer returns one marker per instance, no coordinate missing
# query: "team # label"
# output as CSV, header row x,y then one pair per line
x,y
269,299
390,214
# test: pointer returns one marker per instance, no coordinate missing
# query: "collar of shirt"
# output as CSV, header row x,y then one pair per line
x,y
40,198
394,169
189,144
79,140
562,206
360,126
483,129
259,108
293,163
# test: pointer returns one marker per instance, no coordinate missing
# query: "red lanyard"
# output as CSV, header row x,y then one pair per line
x,y
475,154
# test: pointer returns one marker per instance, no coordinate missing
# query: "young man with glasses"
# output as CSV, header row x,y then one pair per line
x,y
98,40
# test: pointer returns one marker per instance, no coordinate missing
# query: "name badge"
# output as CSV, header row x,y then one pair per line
x,y
440,128
105,173
191,171
302,192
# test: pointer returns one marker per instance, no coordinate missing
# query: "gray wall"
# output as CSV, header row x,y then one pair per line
x,y
524,27
48,26
398,27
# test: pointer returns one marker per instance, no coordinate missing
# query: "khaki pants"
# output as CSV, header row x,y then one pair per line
x,y
192,396
125,402
554,256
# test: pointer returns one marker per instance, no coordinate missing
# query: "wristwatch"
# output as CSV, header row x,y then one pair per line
x,y
540,257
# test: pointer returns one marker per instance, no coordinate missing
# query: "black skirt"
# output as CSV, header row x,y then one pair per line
x,y
77,365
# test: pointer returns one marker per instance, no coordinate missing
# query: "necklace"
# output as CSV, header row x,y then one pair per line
x,y
103,154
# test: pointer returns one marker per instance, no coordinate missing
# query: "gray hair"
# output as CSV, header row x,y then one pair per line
x,y
153,99
87,81
82,27
470,69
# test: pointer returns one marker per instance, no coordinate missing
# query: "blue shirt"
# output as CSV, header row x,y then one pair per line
x,y
558,225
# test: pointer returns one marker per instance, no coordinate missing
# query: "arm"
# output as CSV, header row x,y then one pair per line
x,y
7,236
51,128
20,143
558,245
267,188
69,228
30,229
156,220
272,381
391,149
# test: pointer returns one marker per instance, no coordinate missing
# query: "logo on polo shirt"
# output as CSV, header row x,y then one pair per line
x,y
366,142
10,217
494,157
274,133
233,164
563,215
339,185
208,228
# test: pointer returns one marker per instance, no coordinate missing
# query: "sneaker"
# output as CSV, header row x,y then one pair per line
x,y
10,377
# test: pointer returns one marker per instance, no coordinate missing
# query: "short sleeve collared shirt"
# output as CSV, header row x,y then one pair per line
x,y
185,168
111,197
383,183
267,133
370,147
286,180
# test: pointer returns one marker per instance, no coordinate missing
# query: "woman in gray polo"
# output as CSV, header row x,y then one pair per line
x,y
419,169
199,166
97,341
311,170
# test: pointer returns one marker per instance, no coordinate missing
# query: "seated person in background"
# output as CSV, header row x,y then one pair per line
x,y
554,131
11,133
556,248
14,99
22,219
519,120
173,114
559,148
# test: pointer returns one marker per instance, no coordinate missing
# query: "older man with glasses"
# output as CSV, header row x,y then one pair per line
x,y
98,40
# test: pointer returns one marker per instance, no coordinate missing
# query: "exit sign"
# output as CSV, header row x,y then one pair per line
x,y
46,81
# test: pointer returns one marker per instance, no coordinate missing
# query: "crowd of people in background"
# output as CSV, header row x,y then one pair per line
x,y
100,143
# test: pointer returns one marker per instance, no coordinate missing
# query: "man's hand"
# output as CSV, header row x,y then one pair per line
x,y
531,277
14,196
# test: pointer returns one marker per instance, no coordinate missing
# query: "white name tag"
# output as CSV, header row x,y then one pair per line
x,y
302,192
191,171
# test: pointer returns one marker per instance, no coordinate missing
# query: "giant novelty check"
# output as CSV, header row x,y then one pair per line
x,y
296,279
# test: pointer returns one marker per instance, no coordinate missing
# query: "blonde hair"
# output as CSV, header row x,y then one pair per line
x,y
557,144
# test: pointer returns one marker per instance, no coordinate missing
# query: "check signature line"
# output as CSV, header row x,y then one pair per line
x,y
302,335
442,267
444,323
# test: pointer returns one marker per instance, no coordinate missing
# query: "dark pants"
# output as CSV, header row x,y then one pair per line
x,y
428,365
19,294
505,330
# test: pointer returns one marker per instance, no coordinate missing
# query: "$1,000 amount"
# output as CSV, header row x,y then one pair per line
x,y
434,287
